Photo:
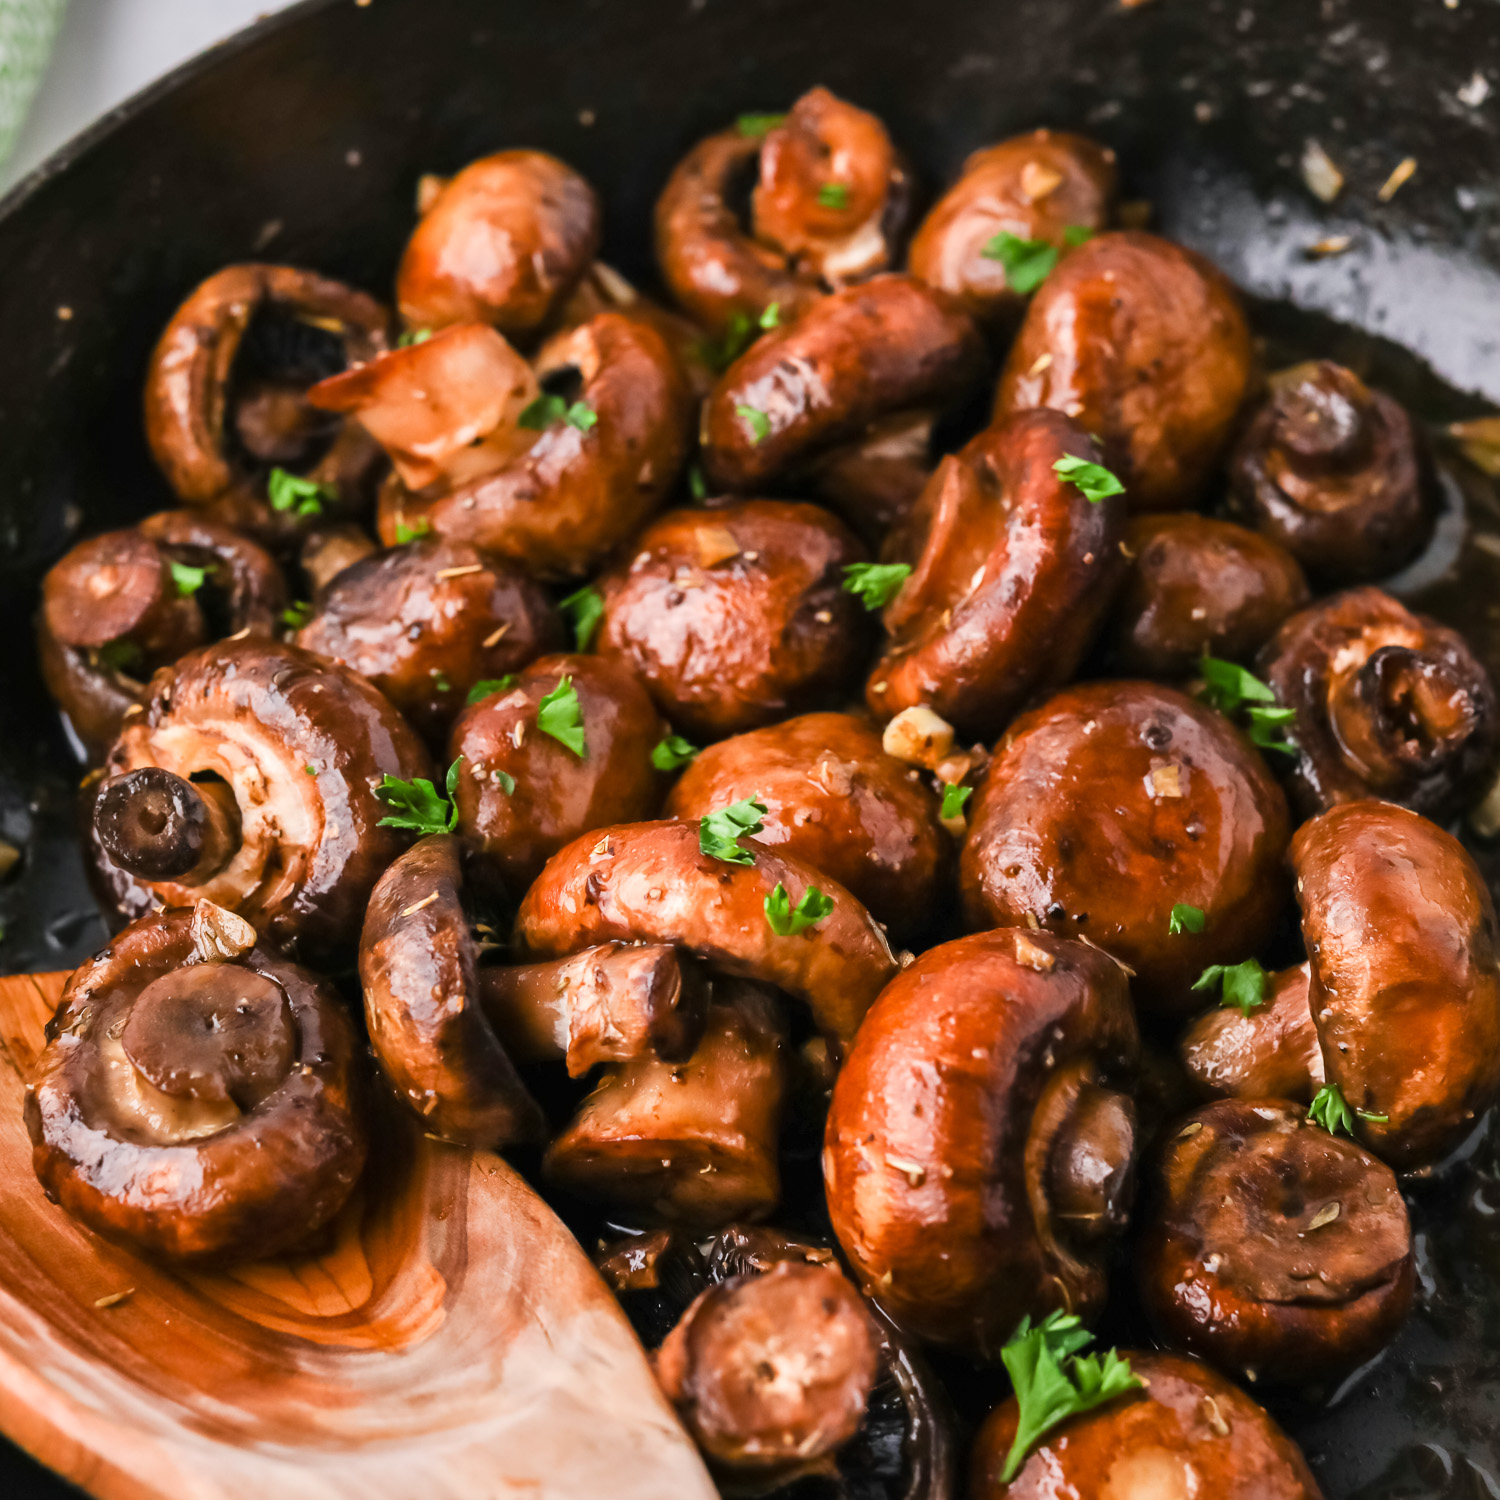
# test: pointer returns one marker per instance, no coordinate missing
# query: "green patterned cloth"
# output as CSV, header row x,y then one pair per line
x,y
27,31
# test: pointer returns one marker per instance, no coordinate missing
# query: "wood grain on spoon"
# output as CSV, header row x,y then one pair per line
x,y
450,1339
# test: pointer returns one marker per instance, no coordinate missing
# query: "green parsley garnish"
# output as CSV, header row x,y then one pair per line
x,y
672,753
559,715
954,798
1231,689
834,195
1093,481
303,497
771,317
758,126
419,805
1053,1381
405,533
786,920
757,421
1026,263
504,780
1244,985
489,686
1077,234
188,580
296,614
311,770
412,337
119,656
583,610
739,334
1331,1110
546,410
1186,918
719,830
875,584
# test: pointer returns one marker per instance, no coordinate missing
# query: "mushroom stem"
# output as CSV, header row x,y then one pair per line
x,y
1091,1178
157,826
609,1003
1324,418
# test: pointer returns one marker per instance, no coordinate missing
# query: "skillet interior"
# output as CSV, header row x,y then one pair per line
x,y
302,142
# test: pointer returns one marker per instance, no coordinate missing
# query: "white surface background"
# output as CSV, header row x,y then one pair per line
x,y
108,49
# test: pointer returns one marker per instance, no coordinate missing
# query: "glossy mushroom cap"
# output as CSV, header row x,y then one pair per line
x,y
1111,804
1187,1432
1038,186
1013,570
1275,1250
774,1370
1335,473
1123,303
836,801
979,1152
1400,930
427,621
522,793
735,616
1270,1053
198,1098
1194,587
1387,704
502,242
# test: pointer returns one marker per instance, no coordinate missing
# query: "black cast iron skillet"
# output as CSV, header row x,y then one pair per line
x,y
302,141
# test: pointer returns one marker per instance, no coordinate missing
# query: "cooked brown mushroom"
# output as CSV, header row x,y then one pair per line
x,y
981,1143
1120,306
524,791
198,1098
1196,587
835,800
1386,704
300,746
428,621
1275,1250
653,882
327,550
1047,187
445,1029
1334,472
1400,930
1269,1051
735,616
1013,568
692,1142
1114,803
502,242
225,389
1184,1431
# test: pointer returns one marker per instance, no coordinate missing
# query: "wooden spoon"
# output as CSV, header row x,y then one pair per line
x,y
450,1341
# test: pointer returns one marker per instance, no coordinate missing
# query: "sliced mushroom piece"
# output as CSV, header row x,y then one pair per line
x,y
693,1143
1269,1052
196,1107
652,882
980,1148
1275,1250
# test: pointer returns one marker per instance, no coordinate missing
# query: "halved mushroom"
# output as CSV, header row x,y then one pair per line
x,y
523,791
980,1147
1270,1051
428,621
1334,472
693,1142
856,358
1013,568
445,1029
1123,304
652,882
198,1098
1400,931
1184,1431
226,386
613,436
835,800
281,753
502,242
1114,803
1047,187
1275,1250
734,616
1386,703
